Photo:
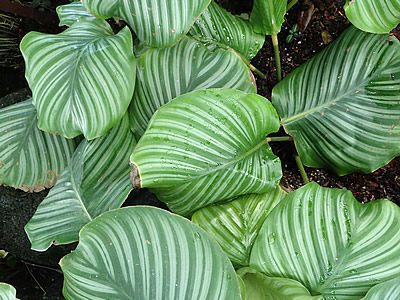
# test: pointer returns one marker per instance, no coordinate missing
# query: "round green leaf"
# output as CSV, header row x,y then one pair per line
x,y
157,23
268,16
7,292
71,13
218,25
147,253
389,290
164,74
96,181
208,146
30,159
82,79
373,16
329,242
343,107
235,225
261,287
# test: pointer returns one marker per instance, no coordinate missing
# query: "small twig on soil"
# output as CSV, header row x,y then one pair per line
x,y
41,266
34,278
279,139
275,43
301,169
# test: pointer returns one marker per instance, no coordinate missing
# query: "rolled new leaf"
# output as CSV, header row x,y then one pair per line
x,y
147,253
30,159
373,16
96,181
329,242
207,146
157,23
164,74
342,107
82,79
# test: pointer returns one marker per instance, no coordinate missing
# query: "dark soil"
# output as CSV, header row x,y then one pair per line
x,y
327,22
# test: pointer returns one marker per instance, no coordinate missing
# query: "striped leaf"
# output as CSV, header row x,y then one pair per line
x,y
218,25
329,242
207,146
268,16
235,225
164,74
157,23
147,253
389,290
71,13
261,287
97,180
7,292
343,107
82,79
30,159
373,16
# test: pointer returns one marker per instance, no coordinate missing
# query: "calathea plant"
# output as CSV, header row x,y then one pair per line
x,y
178,113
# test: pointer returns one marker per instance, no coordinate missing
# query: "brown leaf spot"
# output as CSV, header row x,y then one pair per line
x,y
135,177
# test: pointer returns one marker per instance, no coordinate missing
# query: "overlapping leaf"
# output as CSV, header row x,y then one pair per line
x,y
373,16
208,146
218,25
30,159
7,292
257,286
97,180
343,106
164,74
157,23
71,13
82,79
389,290
329,242
235,225
147,253
268,16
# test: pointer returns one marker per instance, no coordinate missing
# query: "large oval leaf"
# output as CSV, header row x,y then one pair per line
x,y
235,225
268,16
71,13
157,23
389,290
218,25
208,146
30,159
332,244
147,253
7,292
257,286
343,106
82,79
97,180
373,16
164,74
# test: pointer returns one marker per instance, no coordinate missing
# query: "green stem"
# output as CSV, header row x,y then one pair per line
x,y
279,139
291,4
275,43
301,169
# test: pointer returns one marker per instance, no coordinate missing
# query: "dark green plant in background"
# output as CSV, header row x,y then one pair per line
x,y
173,108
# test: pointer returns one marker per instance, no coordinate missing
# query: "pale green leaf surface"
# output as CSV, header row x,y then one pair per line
x,y
261,287
82,79
147,253
343,106
218,25
208,146
373,16
71,13
157,23
30,159
329,242
389,290
235,225
97,180
7,292
164,74
268,16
